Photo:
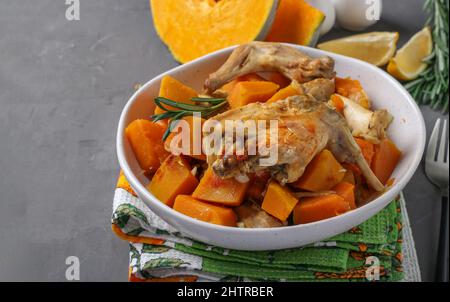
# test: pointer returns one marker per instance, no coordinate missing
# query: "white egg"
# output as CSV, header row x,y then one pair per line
x,y
357,15
326,7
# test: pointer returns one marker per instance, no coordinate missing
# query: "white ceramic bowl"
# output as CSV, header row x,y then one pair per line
x,y
407,131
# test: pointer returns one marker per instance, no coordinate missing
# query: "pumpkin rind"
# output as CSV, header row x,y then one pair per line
x,y
193,28
296,22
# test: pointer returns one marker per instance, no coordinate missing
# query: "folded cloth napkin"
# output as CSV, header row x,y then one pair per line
x,y
158,252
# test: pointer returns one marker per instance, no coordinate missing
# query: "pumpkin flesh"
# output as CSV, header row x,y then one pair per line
x,y
296,22
193,28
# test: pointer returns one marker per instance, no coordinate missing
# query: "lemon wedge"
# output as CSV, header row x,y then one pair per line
x,y
375,47
409,61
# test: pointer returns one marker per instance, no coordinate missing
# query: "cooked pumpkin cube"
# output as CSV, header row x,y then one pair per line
x,y
277,78
367,149
347,191
212,188
195,135
278,201
349,177
228,88
250,92
283,94
322,173
385,159
145,138
313,209
353,90
258,186
176,91
173,178
204,211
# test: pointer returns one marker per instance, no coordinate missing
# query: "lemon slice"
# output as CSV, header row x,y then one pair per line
x,y
409,61
375,47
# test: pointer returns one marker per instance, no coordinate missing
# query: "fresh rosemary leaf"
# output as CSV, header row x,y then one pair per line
x,y
179,105
214,101
158,103
172,124
211,107
158,117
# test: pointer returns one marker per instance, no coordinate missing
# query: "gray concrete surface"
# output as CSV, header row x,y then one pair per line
x,y
62,87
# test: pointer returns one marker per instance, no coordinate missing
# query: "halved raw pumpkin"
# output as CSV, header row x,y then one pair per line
x,y
193,28
296,22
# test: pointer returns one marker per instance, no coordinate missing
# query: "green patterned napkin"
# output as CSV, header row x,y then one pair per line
x,y
157,250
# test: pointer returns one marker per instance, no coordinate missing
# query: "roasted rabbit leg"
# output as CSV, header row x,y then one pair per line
x,y
305,127
321,89
265,56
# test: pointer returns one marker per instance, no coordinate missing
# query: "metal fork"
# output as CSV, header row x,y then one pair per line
x,y
437,169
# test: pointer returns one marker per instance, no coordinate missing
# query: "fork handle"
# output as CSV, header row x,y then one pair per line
x,y
442,261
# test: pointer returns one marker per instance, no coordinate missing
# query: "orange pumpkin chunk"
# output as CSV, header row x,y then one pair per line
x,y
337,103
258,185
251,77
322,173
278,201
212,188
347,191
203,211
174,177
353,168
277,78
385,159
250,92
283,94
367,149
145,138
353,90
313,209
176,91
195,138
349,177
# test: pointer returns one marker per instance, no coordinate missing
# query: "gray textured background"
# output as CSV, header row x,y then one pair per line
x,y
62,87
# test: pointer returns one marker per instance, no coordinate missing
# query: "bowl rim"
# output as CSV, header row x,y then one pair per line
x,y
389,195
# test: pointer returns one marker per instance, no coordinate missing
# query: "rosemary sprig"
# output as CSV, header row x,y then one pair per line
x,y
431,88
207,107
